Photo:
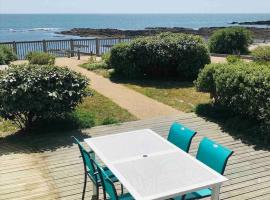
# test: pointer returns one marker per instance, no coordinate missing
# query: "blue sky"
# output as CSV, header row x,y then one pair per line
x,y
134,6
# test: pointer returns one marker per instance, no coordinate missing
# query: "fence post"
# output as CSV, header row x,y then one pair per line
x,y
71,48
79,54
44,46
14,46
97,47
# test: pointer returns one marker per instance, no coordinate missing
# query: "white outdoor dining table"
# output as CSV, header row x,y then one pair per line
x,y
150,167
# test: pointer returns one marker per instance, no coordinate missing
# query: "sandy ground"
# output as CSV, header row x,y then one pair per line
x,y
253,46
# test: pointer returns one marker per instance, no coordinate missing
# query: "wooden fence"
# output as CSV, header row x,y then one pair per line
x,y
62,48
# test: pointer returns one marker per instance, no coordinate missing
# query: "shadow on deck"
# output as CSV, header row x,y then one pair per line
x,y
39,167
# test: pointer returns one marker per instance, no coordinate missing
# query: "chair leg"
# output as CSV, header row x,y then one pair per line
x,y
122,189
104,194
84,186
97,195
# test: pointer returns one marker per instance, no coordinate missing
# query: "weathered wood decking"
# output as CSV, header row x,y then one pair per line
x,y
58,174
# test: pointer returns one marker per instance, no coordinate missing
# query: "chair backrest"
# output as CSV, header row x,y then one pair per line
x,y
86,160
181,136
107,184
213,155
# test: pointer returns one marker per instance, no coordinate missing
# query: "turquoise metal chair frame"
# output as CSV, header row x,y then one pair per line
x,y
108,185
181,136
90,172
214,156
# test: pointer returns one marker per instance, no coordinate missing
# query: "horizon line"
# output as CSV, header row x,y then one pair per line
x,y
146,13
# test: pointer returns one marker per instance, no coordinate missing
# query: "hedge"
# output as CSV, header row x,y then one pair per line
x,y
161,56
232,40
261,54
40,58
242,87
29,93
6,55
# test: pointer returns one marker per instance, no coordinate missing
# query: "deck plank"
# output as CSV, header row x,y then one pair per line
x,y
58,173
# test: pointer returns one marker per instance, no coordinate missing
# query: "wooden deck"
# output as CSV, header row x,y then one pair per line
x,y
57,173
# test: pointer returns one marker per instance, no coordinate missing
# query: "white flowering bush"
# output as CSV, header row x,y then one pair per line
x,y
29,93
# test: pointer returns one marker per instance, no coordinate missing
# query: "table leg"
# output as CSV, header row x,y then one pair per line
x,y
215,192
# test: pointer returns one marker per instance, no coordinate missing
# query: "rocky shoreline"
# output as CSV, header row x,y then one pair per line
x,y
259,33
263,23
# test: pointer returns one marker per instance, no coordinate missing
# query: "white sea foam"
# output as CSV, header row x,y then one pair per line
x,y
34,29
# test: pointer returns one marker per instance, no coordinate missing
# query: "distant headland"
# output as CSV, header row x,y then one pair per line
x,y
259,33
265,22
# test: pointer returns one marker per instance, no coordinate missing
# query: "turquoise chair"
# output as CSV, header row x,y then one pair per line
x,y
89,169
181,136
214,156
108,186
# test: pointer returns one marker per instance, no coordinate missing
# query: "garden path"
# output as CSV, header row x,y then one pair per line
x,y
137,104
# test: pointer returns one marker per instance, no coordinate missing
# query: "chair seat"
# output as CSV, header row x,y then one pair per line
x,y
126,196
199,194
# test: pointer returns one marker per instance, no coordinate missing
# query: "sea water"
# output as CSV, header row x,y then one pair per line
x,y
24,27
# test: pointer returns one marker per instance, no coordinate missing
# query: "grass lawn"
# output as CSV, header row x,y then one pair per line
x,y
95,110
179,95
104,110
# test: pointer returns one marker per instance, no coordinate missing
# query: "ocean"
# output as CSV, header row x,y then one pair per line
x,y
25,27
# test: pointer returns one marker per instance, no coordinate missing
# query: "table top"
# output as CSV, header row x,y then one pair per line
x,y
150,167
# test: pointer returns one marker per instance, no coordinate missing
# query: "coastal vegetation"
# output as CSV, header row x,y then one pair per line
x,y
6,55
162,56
31,93
243,89
50,98
40,58
261,54
94,110
233,40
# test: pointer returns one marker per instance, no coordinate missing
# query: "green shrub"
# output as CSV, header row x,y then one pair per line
x,y
121,60
6,55
92,59
106,58
40,58
261,54
29,93
161,56
110,120
95,66
233,59
244,88
232,40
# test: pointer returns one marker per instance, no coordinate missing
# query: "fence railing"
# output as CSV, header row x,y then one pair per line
x,y
62,48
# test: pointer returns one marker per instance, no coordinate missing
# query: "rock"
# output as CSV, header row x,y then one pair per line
x,y
259,33
265,22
